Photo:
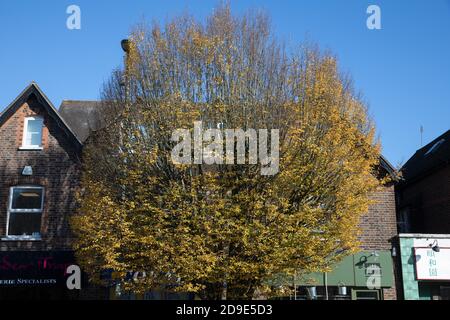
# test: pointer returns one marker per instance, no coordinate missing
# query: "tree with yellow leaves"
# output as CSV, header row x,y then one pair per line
x,y
223,230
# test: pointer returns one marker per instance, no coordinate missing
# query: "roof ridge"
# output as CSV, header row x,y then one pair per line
x,y
77,100
427,158
434,140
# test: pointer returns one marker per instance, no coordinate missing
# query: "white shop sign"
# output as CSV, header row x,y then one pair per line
x,y
431,265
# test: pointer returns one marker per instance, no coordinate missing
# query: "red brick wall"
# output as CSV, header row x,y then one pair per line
x,y
390,294
56,168
379,229
379,225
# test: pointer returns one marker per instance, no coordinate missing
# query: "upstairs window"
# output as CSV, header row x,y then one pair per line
x,y
25,212
32,133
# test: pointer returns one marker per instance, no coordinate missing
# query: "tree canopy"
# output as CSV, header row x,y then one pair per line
x,y
222,230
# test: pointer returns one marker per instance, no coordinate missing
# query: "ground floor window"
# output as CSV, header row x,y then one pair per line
x,y
333,293
434,290
366,294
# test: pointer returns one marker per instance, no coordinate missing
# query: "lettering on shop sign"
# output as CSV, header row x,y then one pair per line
x,y
20,281
432,265
39,268
45,263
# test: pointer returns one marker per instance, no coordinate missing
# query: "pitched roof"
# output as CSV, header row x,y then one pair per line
x,y
33,89
428,158
83,117
386,165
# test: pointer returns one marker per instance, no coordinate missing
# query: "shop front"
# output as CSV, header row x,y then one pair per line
x,y
35,275
362,276
425,263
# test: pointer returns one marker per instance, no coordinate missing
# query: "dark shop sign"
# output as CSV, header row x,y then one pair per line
x,y
34,268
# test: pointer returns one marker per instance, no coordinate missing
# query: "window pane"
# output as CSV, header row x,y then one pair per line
x,y
21,223
34,139
34,132
34,125
26,198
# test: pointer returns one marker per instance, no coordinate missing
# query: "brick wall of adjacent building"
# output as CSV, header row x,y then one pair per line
x,y
379,230
379,225
56,168
427,202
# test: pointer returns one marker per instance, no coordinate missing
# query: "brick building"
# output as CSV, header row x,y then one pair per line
x,y
379,228
423,194
423,206
39,174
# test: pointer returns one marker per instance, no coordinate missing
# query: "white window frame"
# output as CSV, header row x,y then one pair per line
x,y
25,131
24,211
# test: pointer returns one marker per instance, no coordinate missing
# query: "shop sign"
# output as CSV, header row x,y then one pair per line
x,y
34,268
432,265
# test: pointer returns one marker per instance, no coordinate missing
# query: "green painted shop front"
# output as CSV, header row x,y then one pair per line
x,y
361,276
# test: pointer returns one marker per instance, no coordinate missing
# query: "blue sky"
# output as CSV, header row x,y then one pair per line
x,y
403,70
